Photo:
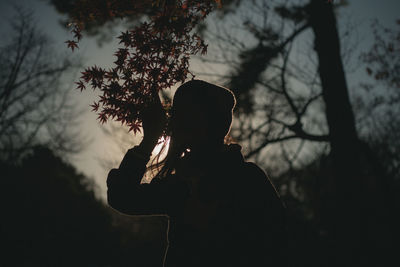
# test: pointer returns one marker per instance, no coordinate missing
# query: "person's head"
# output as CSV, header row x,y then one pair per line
x,y
200,119
201,114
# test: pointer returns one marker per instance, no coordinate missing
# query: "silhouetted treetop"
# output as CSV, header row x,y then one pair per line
x,y
34,102
383,58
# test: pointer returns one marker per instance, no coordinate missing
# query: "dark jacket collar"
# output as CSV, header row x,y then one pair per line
x,y
224,156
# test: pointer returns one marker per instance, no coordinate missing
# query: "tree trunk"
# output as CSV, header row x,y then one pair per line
x,y
346,198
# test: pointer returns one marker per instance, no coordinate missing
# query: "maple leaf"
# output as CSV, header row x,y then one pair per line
x,y
86,75
72,44
77,33
80,86
135,127
102,118
111,75
125,38
95,106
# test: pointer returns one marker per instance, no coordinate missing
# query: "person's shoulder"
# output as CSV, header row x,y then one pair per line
x,y
254,173
257,179
253,168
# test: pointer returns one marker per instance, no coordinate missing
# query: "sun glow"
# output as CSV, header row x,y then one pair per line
x,y
162,146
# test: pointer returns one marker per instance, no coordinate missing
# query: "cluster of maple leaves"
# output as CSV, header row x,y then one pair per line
x,y
153,56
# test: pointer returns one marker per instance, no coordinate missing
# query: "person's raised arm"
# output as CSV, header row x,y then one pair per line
x,y
125,193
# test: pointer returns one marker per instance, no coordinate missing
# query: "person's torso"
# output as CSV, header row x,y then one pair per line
x,y
201,232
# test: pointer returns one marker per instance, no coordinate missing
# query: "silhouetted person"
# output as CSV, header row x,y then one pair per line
x,y
223,210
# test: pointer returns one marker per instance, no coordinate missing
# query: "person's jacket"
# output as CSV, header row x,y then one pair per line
x,y
223,210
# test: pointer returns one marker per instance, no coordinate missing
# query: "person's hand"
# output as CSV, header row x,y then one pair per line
x,y
153,122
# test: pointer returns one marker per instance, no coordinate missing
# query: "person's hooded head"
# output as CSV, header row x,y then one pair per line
x,y
201,118
201,114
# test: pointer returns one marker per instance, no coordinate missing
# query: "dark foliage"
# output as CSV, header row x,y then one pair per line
x,y
308,191
51,217
383,58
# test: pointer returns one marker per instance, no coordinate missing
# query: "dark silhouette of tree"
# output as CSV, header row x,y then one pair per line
x,y
34,103
102,17
270,109
349,195
51,217
383,58
381,109
383,118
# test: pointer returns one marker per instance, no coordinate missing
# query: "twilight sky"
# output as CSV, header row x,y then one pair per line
x,y
360,12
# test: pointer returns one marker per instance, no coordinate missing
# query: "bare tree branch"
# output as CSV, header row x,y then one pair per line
x,y
34,101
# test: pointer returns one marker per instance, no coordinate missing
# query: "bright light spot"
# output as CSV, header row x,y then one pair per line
x,y
157,149
148,176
